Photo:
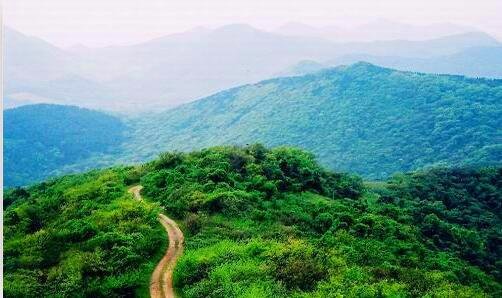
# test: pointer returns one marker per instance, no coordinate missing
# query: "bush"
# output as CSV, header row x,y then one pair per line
x,y
298,265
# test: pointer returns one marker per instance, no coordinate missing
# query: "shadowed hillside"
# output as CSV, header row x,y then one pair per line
x,y
39,140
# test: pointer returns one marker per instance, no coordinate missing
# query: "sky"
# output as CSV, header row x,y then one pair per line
x,y
97,23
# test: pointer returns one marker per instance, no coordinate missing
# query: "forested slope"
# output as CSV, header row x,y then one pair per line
x,y
361,118
40,140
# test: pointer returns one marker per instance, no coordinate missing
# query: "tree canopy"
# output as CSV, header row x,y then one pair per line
x,y
41,140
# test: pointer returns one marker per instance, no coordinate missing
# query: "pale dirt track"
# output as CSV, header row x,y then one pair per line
x,y
161,282
135,191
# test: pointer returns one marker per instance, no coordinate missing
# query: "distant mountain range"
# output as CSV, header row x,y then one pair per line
x,y
180,68
361,118
376,30
474,62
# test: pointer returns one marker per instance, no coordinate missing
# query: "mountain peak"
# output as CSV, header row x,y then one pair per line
x,y
362,66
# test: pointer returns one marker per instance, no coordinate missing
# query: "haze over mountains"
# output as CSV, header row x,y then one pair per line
x,y
179,68
144,156
362,118
376,30
473,62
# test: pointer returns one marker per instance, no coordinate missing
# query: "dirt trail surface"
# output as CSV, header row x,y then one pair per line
x,y
161,282
135,191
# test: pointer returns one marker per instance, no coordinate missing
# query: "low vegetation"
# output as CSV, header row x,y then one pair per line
x,y
79,236
259,222
268,223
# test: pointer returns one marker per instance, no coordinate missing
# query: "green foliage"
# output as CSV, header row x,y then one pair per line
x,y
298,265
258,222
40,140
272,222
79,236
458,210
362,118
231,180
227,269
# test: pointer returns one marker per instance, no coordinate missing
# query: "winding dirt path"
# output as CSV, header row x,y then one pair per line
x,y
161,282
135,191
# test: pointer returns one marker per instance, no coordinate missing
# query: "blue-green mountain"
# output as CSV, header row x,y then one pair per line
x,y
41,140
361,118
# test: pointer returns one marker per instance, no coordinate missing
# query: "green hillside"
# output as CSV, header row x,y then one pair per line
x,y
40,140
79,236
258,222
362,118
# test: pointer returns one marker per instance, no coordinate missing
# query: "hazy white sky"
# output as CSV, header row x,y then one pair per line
x,y
105,22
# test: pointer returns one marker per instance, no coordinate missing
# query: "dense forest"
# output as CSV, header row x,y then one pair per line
x,y
258,222
362,118
41,140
